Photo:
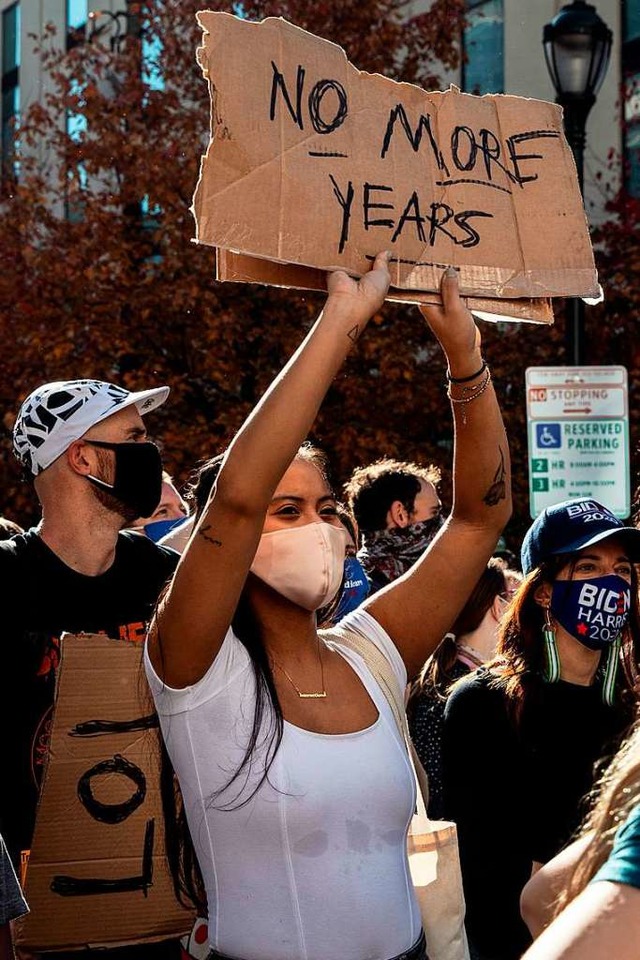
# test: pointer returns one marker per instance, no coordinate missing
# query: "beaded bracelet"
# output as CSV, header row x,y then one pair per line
x,y
475,392
468,379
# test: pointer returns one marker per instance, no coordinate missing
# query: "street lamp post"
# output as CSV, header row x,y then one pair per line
x,y
577,46
124,23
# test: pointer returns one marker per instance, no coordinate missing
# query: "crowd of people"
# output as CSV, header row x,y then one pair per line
x,y
263,600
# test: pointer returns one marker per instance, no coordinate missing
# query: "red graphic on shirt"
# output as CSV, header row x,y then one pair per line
x,y
134,632
50,658
40,749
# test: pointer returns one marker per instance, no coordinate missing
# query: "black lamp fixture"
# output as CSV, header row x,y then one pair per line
x,y
123,23
577,47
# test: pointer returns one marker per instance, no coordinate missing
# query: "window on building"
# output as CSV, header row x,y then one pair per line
x,y
483,47
632,19
77,15
10,78
631,71
152,51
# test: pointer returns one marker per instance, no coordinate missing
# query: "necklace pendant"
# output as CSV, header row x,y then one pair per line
x,y
313,696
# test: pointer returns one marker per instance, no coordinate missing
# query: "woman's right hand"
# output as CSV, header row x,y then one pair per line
x,y
362,298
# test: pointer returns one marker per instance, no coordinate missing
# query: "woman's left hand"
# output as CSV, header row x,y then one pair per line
x,y
454,326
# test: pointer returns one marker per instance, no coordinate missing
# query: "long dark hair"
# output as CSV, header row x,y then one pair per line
x,y
185,871
518,667
436,674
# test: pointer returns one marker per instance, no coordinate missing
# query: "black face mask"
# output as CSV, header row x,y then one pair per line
x,y
138,476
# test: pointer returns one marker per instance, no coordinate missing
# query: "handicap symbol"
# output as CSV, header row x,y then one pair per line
x,y
548,435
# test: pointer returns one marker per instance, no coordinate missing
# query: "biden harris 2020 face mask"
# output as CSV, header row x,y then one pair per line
x,y
594,611
303,564
355,588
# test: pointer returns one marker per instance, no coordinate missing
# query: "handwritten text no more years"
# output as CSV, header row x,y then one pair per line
x,y
468,156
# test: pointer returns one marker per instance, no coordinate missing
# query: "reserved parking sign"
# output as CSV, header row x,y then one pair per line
x,y
578,433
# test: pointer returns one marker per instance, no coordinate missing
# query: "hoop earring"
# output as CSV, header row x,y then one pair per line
x,y
551,656
611,671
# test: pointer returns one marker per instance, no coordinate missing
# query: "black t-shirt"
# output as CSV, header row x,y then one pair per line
x,y
43,598
517,794
425,715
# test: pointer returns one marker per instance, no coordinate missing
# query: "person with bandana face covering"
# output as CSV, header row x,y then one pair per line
x,y
85,443
522,736
398,511
294,778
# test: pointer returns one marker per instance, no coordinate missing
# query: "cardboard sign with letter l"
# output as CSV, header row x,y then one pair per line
x,y
97,875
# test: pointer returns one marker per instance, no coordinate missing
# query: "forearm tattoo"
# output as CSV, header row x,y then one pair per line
x,y
354,333
497,491
204,533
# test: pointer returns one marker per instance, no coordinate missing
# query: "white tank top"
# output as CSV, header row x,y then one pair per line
x,y
313,866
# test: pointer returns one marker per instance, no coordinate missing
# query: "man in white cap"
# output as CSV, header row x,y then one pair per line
x,y
86,444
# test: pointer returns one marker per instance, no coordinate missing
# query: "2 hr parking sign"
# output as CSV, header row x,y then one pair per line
x,y
578,435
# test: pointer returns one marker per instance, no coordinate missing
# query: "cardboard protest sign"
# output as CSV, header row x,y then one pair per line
x,y
315,164
97,873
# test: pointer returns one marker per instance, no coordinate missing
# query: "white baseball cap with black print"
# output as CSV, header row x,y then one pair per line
x,y
57,414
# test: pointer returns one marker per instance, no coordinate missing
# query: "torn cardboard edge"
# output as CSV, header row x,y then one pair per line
x,y
316,164
241,268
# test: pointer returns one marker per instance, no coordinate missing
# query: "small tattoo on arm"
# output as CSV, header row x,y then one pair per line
x,y
204,533
497,490
354,333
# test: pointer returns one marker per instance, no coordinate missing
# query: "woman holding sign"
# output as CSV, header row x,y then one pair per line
x,y
522,736
294,777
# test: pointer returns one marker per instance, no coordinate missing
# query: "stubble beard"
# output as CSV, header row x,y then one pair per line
x,y
107,500
113,505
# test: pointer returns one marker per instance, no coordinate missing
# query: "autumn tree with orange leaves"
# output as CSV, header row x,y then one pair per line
x,y
100,278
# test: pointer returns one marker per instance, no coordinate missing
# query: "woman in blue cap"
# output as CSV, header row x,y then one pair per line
x,y
522,735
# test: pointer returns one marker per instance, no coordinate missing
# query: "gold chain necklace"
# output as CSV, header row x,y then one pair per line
x,y
321,695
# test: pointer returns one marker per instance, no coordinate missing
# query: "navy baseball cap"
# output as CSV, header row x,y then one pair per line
x,y
573,525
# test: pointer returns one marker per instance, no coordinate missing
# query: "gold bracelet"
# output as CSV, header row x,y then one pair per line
x,y
474,392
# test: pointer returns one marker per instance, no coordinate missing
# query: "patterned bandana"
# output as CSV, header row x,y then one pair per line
x,y
387,554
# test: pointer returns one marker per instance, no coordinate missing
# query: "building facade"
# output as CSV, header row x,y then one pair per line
x,y
502,54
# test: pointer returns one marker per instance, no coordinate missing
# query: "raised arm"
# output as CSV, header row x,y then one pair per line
x,y
196,612
541,892
418,608
602,923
